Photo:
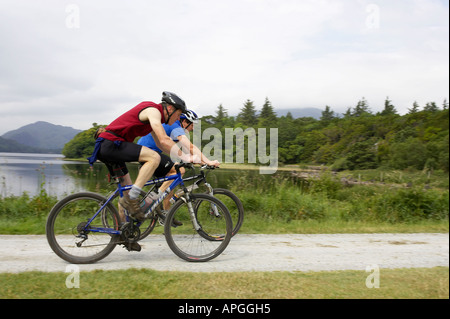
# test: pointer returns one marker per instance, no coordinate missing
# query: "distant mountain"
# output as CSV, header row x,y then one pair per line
x,y
12,146
39,136
300,112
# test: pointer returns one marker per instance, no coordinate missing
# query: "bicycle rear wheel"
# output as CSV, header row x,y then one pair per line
x,y
72,239
207,241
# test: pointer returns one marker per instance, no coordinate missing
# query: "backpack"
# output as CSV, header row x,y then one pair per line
x,y
99,131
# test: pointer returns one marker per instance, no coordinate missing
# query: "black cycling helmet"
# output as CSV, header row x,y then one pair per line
x,y
175,100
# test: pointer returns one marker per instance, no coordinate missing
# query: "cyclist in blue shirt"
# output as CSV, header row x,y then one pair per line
x,y
173,131
177,132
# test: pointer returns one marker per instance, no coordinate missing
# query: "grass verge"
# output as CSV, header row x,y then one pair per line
x,y
254,224
415,283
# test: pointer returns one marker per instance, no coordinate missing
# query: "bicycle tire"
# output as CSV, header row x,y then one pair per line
x,y
65,222
237,213
183,239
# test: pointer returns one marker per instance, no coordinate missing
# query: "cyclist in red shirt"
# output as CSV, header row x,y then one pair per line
x,y
115,145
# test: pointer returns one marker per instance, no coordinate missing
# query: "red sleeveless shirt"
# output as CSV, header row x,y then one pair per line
x,y
128,126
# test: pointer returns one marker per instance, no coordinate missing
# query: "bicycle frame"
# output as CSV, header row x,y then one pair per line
x,y
177,180
198,179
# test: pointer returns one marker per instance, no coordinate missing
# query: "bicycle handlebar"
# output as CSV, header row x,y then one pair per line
x,y
187,165
206,166
191,166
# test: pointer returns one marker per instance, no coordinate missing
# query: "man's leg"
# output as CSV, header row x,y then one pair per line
x,y
131,200
151,159
126,180
166,202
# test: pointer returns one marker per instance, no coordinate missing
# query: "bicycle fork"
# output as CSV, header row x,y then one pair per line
x,y
214,211
194,221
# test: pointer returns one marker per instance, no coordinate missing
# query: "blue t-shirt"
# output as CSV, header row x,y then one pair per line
x,y
173,131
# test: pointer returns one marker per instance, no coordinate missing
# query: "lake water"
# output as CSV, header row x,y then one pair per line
x,y
24,172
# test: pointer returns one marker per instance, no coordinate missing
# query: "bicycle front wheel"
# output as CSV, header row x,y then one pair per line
x,y
234,205
75,240
202,235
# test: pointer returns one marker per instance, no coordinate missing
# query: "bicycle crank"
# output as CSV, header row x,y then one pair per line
x,y
130,233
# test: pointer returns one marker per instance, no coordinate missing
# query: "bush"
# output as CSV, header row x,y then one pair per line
x,y
25,206
326,184
326,198
341,164
399,206
410,205
281,200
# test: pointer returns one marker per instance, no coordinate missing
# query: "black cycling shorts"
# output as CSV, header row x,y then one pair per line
x,y
115,156
165,165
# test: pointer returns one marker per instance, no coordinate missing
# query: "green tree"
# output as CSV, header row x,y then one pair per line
x,y
411,153
267,117
431,107
389,109
221,115
362,155
247,115
82,145
362,108
327,115
415,108
348,113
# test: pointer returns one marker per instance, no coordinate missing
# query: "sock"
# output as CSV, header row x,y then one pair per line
x,y
134,192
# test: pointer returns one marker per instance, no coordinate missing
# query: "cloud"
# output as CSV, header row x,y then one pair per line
x,y
83,62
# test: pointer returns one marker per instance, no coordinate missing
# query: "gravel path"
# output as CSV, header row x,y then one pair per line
x,y
248,253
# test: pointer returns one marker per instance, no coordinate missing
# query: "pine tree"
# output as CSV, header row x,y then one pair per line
x,y
267,117
361,108
389,109
247,116
327,114
348,113
431,107
414,109
221,114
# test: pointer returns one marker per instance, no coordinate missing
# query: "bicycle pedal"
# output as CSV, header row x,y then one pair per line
x,y
130,233
132,247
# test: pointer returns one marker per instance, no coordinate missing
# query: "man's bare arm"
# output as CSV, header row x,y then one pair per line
x,y
187,145
153,116
164,142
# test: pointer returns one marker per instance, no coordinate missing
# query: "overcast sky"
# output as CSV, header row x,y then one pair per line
x,y
77,62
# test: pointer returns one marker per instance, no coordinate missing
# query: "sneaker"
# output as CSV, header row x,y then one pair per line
x,y
132,206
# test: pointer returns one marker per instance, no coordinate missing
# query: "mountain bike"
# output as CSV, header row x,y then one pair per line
x,y
227,197
86,227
